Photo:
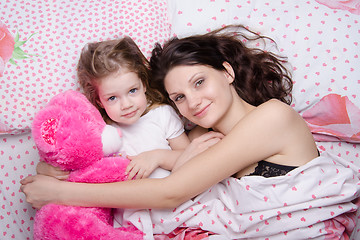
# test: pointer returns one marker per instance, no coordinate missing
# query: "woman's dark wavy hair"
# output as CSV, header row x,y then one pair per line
x,y
101,59
259,75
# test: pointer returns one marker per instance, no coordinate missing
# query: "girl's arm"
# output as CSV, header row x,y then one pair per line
x,y
196,132
264,132
143,164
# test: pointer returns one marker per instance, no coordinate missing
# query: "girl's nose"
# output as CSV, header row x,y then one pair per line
x,y
126,103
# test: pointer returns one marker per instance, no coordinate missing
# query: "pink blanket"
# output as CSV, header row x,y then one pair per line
x,y
317,200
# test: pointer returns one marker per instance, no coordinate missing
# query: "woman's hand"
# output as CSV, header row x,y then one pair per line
x,y
198,145
40,190
49,170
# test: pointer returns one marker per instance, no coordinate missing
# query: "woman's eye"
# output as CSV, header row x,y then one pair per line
x,y
199,82
178,98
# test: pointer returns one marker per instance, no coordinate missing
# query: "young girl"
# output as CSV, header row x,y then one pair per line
x,y
114,77
217,82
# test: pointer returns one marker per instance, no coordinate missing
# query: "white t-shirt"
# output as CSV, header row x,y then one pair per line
x,y
152,131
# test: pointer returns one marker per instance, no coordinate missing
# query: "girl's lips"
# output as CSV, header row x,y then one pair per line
x,y
202,112
130,114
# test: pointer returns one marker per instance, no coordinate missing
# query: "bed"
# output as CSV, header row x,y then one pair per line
x,y
40,42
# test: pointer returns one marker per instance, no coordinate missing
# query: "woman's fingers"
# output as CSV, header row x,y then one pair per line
x,y
27,180
209,135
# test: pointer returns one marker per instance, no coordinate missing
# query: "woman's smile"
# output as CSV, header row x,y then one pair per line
x,y
202,112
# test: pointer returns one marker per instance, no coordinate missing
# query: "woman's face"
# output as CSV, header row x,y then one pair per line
x,y
201,93
122,95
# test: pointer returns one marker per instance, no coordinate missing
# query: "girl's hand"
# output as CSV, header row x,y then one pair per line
x,y
40,190
198,145
49,170
142,165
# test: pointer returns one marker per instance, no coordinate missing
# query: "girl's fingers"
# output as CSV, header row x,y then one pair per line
x,y
132,173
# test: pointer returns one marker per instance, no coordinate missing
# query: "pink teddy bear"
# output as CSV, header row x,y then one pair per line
x,y
71,134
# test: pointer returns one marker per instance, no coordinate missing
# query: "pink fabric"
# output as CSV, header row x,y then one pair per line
x,y
48,38
352,6
185,234
6,46
334,118
341,226
294,206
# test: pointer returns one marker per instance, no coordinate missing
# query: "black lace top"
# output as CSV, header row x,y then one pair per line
x,y
268,169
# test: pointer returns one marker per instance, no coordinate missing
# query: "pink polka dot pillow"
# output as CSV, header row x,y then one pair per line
x,y
321,43
40,43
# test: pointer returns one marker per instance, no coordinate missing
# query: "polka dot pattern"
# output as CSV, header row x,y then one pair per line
x,y
18,159
321,43
60,31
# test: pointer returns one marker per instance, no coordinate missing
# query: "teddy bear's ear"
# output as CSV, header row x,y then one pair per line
x,y
48,130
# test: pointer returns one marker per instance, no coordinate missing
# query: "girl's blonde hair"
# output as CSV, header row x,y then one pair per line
x,y
101,59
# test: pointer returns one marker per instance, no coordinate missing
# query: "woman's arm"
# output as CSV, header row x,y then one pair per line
x,y
145,193
41,190
262,133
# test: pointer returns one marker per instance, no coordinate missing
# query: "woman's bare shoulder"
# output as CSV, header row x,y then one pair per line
x,y
275,111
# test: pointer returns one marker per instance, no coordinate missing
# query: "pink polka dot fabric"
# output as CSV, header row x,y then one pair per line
x,y
60,29
19,157
321,43
44,39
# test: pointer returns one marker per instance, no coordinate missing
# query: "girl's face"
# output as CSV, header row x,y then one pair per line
x,y
122,95
201,93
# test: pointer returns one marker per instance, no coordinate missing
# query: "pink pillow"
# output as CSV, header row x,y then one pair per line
x,y
334,118
55,34
352,6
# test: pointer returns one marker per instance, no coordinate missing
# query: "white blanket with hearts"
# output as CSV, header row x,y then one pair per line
x,y
317,200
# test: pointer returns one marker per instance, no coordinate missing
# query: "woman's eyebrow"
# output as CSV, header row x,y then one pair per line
x,y
190,80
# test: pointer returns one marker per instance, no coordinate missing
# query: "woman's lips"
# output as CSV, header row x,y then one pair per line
x,y
202,112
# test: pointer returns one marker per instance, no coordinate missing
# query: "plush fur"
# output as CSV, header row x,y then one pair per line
x,y
68,134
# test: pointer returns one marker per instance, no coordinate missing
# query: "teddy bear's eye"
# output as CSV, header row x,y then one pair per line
x,y
48,130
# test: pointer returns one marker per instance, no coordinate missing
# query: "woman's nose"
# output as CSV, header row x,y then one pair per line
x,y
193,100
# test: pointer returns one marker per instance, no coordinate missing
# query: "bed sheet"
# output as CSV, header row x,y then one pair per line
x,y
321,43
312,201
19,158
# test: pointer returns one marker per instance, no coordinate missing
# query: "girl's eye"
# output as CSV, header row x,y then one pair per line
x,y
133,90
112,98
